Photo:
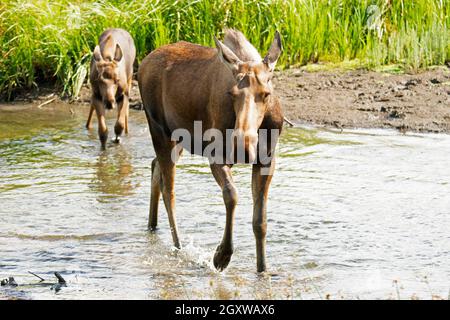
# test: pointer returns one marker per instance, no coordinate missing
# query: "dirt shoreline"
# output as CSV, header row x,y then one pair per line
x,y
365,99
342,99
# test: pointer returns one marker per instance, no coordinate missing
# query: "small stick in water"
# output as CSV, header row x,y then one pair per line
x,y
289,122
60,278
34,274
46,102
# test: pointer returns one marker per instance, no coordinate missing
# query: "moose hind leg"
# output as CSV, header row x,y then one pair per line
x,y
165,148
155,195
127,111
168,182
222,174
89,120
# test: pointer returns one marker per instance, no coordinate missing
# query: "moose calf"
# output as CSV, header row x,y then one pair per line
x,y
110,77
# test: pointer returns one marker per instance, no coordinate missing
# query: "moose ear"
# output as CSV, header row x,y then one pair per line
x,y
227,56
118,54
270,60
97,54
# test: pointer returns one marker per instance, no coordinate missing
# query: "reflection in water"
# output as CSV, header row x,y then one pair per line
x,y
114,173
348,214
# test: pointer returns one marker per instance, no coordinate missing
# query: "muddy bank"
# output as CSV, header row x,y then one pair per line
x,y
343,99
416,102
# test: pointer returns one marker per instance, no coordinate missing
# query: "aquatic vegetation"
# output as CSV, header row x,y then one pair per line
x,y
51,41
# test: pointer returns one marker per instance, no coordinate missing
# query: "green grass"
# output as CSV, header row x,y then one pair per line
x,y
51,41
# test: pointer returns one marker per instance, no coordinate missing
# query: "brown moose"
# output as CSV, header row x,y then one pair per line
x,y
228,88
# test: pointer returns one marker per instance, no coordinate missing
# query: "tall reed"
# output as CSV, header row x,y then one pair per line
x,y
43,40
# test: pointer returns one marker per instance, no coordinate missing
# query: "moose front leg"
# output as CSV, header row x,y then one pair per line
x,y
261,178
222,174
102,128
122,117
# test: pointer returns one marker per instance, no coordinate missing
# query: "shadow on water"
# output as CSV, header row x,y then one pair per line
x,y
348,214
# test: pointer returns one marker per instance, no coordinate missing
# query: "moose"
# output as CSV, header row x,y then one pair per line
x,y
110,76
225,88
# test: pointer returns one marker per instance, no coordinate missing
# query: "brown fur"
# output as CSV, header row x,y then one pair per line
x,y
110,77
183,82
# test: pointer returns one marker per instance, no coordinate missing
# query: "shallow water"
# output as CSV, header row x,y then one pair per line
x,y
358,214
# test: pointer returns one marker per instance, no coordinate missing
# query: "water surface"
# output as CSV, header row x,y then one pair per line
x,y
357,214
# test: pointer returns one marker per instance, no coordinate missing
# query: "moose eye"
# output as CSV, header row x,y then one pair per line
x,y
262,97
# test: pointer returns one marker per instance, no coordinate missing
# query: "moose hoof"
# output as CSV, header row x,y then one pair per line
x,y
117,140
222,258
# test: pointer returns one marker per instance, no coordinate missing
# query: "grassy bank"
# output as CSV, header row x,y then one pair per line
x,y
43,40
